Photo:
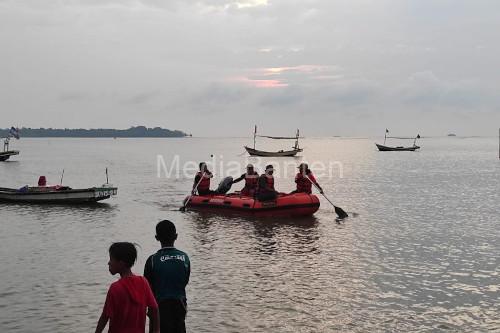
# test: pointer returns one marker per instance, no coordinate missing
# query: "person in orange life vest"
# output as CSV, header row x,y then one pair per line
x,y
265,185
304,185
203,178
250,178
42,181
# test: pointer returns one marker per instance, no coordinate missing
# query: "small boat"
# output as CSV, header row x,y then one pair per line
x,y
5,155
280,153
286,205
398,148
57,194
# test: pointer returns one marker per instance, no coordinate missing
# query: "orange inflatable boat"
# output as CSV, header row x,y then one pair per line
x,y
297,204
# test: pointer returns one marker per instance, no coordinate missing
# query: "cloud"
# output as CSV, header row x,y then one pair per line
x,y
187,60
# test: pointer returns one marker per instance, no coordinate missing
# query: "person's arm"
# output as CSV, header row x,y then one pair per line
x,y
196,181
313,179
239,179
101,323
152,312
148,271
262,182
188,264
154,320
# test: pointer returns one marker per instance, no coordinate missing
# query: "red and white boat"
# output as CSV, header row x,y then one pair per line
x,y
297,204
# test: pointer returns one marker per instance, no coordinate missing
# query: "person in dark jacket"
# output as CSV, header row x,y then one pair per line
x,y
265,186
168,272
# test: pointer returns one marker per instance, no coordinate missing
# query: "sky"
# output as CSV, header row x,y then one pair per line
x,y
217,67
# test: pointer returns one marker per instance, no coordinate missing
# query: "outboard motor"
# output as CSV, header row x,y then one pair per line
x,y
225,185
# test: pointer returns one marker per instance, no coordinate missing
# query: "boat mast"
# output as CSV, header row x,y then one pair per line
x,y
297,140
254,135
414,141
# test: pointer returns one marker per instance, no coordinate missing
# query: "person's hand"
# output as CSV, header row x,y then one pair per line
x,y
321,191
193,192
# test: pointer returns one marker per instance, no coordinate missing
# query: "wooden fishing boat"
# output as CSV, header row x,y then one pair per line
x,y
286,205
57,194
398,148
280,153
5,155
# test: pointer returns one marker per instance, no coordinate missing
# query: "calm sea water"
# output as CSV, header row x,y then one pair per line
x,y
423,255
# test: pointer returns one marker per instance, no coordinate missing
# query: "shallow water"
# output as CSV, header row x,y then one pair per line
x,y
421,256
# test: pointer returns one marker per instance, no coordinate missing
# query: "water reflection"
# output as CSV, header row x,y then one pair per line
x,y
264,235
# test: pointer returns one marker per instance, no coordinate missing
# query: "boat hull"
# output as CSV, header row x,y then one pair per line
x,y
281,153
289,205
387,148
72,196
5,155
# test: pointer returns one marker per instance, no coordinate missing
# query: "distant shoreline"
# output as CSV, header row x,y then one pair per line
x,y
133,132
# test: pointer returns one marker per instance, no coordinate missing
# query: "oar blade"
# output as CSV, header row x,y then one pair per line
x,y
341,213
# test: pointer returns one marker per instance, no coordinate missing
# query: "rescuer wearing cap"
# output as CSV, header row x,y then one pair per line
x,y
265,186
251,177
305,179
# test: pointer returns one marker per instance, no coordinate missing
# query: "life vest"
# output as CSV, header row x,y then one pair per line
x,y
42,181
204,184
269,182
251,180
303,184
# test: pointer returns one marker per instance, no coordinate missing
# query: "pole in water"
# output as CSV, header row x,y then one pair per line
x,y
107,179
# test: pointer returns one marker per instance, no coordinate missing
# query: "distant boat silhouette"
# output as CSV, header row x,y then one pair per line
x,y
398,148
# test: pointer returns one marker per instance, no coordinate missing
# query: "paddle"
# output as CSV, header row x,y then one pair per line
x,y
339,211
183,208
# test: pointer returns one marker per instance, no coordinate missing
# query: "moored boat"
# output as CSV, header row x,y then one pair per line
x,y
5,155
280,153
297,204
398,148
57,194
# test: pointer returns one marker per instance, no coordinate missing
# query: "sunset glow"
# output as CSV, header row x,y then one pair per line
x,y
258,83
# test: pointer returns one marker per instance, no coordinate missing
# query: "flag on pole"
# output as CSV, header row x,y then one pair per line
x,y
14,132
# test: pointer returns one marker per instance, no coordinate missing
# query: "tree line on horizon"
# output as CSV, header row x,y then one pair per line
x,y
132,132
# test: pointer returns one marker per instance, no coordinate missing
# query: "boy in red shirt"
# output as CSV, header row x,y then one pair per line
x,y
128,298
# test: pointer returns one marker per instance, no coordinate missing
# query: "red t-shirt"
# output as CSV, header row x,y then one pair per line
x,y
126,304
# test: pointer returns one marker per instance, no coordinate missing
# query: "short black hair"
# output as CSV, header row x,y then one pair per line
x,y
124,251
202,164
165,231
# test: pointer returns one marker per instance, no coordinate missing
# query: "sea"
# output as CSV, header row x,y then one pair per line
x,y
420,251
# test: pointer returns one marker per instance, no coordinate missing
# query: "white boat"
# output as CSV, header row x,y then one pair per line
x,y
57,194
